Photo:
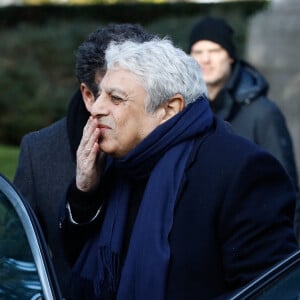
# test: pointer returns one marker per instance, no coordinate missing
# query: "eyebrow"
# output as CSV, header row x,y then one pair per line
x,y
119,91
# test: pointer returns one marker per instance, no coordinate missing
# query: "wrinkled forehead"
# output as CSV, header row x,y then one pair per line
x,y
120,79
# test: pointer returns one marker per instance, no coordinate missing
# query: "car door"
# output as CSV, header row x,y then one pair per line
x,y
281,282
26,271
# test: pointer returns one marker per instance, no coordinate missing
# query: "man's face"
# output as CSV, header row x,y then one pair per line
x,y
120,111
214,61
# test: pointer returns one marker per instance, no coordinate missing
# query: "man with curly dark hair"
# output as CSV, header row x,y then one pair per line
x,y
47,159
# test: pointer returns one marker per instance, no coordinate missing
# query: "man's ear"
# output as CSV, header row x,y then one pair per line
x,y
172,106
88,96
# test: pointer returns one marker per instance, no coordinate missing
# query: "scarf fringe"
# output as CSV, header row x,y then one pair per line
x,y
109,277
105,281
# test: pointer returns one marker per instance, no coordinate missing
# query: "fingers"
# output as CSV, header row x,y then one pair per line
x,y
87,171
90,137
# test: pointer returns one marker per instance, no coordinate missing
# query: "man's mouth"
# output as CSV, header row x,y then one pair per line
x,y
103,126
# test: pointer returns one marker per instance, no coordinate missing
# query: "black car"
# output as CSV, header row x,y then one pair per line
x,y
26,271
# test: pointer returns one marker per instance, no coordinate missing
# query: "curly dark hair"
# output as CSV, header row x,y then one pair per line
x,y
90,56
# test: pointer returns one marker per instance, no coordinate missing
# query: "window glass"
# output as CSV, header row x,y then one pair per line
x,y
285,287
18,274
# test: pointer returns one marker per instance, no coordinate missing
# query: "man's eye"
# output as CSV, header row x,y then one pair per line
x,y
116,99
197,52
215,50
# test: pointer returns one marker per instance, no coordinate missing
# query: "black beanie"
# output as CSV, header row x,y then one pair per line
x,y
215,30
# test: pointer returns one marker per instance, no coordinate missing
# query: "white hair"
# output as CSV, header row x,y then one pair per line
x,y
163,69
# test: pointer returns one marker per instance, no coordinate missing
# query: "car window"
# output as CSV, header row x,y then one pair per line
x,y
280,282
25,268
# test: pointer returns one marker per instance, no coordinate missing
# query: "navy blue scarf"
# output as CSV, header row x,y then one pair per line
x,y
161,156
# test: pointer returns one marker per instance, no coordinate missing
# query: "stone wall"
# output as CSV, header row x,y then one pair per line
x,y
273,46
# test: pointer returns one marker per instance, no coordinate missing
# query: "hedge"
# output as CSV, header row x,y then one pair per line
x,y
38,45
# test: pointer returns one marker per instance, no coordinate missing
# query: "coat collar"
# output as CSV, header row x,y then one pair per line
x,y
244,86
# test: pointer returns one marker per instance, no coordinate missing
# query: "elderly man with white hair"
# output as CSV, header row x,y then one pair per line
x,y
167,202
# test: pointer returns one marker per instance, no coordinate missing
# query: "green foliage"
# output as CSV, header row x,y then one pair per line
x,y
8,160
36,75
38,46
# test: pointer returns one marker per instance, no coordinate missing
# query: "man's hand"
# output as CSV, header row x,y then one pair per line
x,y
90,159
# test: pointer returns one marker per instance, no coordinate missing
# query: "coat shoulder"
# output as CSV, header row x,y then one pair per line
x,y
47,144
56,131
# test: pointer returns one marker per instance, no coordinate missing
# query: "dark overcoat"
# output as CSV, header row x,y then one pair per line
x,y
244,103
233,218
46,167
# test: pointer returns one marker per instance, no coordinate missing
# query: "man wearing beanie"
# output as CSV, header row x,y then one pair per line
x,y
238,92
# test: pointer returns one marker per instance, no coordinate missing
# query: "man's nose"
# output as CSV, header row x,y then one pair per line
x,y
99,107
205,57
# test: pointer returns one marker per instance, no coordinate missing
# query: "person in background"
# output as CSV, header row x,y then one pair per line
x,y
47,160
167,202
238,93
